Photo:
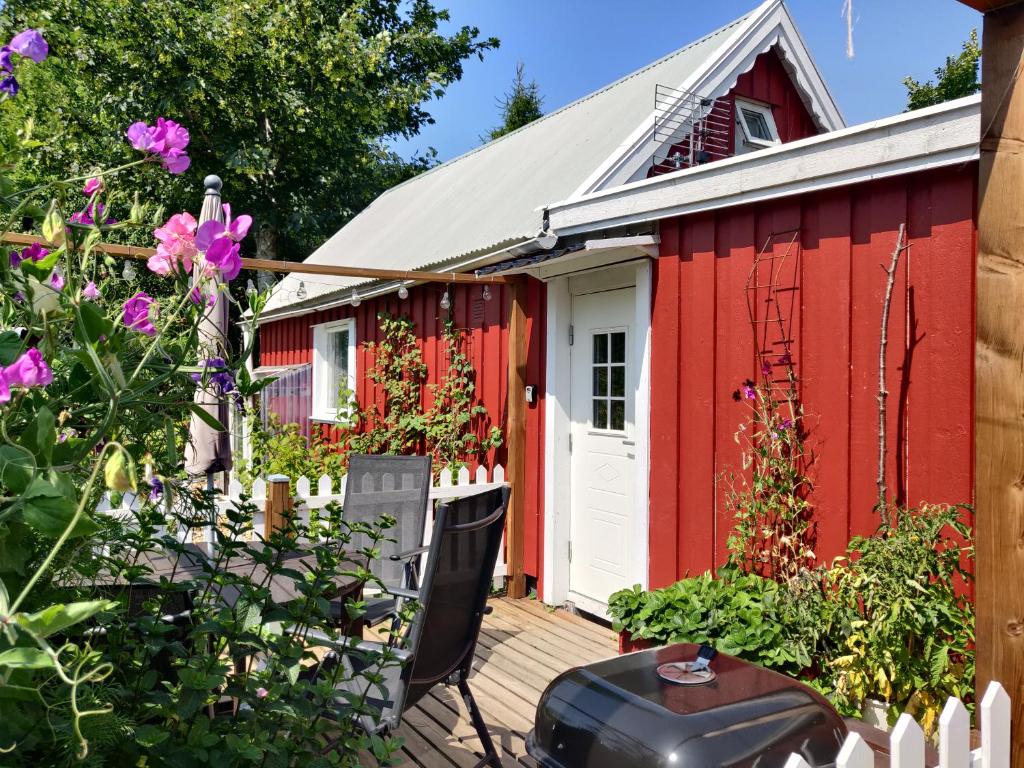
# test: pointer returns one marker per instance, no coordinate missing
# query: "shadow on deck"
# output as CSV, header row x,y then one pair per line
x,y
523,646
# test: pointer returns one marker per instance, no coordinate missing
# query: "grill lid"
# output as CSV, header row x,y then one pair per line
x,y
620,713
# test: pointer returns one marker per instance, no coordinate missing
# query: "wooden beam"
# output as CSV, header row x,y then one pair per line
x,y
278,505
999,363
299,267
988,5
515,435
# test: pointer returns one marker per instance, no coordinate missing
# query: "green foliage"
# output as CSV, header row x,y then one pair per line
x,y
520,106
887,621
282,449
958,77
454,430
292,103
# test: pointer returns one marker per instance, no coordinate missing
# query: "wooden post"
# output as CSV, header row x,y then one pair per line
x,y
516,439
278,506
999,364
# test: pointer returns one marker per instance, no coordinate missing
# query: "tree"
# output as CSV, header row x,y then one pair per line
x,y
957,78
519,106
291,102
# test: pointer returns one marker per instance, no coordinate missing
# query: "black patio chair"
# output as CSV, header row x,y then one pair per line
x,y
442,637
398,486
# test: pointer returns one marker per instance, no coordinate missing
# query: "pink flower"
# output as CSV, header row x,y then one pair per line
x,y
261,693
57,281
223,256
5,389
136,313
29,370
92,185
177,245
91,291
766,368
748,392
31,45
166,140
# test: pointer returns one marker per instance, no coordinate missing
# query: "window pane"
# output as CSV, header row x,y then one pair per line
x,y
619,347
757,125
600,347
618,381
600,381
339,354
601,414
618,420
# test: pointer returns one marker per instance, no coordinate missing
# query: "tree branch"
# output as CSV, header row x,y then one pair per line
x,y
883,393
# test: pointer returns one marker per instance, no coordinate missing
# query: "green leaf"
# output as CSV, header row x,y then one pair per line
x,y
25,658
10,347
95,322
206,418
15,550
49,511
61,616
40,435
16,467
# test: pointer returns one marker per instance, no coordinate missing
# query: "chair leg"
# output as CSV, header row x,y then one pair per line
x,y
491,756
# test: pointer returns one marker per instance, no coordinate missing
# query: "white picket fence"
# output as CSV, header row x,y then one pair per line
x,y
907,741
451,484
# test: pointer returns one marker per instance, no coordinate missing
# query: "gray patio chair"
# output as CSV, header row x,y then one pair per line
x,y
442,637
398,486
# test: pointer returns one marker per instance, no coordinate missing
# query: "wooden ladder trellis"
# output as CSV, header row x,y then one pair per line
x,y
773,275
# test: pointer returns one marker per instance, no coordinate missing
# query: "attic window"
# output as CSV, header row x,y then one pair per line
x,y
755,126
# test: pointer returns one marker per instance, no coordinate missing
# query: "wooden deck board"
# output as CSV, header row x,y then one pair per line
x,y
522,648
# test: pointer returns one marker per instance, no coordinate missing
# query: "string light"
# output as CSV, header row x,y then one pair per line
x,y
356,300
486,293
300,292
446,303
128,273
403,292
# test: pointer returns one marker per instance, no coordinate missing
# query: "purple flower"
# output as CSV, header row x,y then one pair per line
x,y
220,375
223,256
31,45
91,291
136,313
91,215
166,140
19,297
5,389
786,359
785,424
9,85
57,281
766,368
261,692
34,252
5,59
92,185
29,370
748,391
156,489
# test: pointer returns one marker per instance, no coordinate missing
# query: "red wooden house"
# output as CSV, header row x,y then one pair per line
x,y
637,214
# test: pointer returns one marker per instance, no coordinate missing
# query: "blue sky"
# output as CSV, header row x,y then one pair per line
x,y
573,47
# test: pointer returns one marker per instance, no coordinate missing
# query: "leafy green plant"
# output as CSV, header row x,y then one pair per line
x,y
911,639
284,449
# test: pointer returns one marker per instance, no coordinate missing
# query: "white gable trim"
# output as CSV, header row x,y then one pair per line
x,y
770,25
946,134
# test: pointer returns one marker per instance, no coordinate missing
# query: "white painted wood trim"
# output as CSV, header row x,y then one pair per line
x,y
642,418
557,459
937,136
324,405
769,25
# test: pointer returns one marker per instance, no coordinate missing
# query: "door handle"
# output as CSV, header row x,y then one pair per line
x,y
629,442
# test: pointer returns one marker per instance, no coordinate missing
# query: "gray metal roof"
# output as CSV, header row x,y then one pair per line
x,y
492,197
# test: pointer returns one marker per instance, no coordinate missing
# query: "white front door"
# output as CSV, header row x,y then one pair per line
x,y
603,433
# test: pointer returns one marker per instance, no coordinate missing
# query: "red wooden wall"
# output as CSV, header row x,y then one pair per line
x,y
769,82
290,341
703,347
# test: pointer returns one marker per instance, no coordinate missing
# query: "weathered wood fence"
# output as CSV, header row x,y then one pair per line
x,y
907,741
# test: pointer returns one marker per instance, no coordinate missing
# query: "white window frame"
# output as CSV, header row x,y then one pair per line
x,y
745,139
325,401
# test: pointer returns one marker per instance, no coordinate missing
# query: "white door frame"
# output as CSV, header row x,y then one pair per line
x,y
557,459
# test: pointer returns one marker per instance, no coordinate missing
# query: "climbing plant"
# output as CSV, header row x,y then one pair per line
x,y
455,429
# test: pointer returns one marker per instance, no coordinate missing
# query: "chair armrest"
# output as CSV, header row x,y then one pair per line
x,y
410,554
408,594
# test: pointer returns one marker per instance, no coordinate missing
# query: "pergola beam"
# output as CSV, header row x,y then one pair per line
x,y
298,267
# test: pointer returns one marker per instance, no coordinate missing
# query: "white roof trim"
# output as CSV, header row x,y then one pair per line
x,y
769,25
913,141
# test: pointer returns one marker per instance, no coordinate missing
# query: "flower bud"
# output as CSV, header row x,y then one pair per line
x,y
119,473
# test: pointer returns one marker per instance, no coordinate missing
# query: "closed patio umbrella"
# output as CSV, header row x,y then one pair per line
x,y
209,450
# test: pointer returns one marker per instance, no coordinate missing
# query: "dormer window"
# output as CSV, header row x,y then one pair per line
x,y
755,126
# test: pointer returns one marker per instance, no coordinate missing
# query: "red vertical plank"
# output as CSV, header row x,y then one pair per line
x,y
825,366
734,356
664,438
696,427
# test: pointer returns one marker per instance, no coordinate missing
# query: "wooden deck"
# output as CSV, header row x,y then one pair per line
x,y
523,646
